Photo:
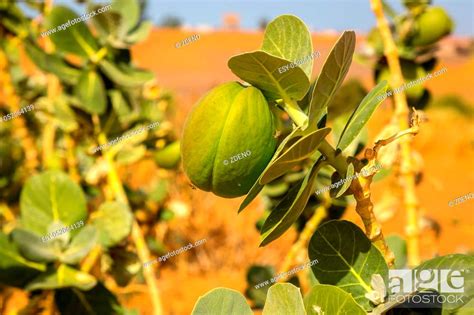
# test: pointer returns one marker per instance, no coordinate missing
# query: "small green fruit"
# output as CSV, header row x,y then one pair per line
x,y
431,26
168,157
228,140
411,72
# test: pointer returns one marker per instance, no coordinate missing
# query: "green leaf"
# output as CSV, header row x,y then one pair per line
x,y
120,105
129,10
257,187
15,270
51,197
283,299
80,246
332,74
262,71
290,208
140,33
327,299
361,115
64,116
288,37
346,258
129,154
106,23
399,249
113,220
338,192
52,63
90,90
222,301
123,76
301,150
75,39
455,262
63,277
33,248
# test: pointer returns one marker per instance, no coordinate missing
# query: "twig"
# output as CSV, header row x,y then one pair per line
x,y
137,236
401,115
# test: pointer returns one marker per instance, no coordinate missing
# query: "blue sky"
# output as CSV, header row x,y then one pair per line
x,y
318,14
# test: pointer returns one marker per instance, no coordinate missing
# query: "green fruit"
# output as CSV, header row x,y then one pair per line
x,y
431,26
168,157
411,72
228,140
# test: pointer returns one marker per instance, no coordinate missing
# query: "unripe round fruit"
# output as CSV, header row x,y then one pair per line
x,y
228,140
169,156
431,26
411,72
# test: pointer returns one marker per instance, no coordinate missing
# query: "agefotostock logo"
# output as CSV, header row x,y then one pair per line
x,y
441,280
448,283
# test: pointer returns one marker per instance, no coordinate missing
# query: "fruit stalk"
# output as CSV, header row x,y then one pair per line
x,y
401,117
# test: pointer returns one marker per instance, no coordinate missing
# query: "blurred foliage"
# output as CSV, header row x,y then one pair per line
x,y
416,31
86,91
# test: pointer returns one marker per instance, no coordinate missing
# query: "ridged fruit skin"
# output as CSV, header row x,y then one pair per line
x,y
229,120
431,26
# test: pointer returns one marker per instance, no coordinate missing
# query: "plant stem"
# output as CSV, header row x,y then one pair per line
x,y
295,113
401,115
360,188
137,236
71,158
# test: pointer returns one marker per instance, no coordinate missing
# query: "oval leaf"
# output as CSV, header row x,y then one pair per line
x,y
51,197
80,246
262,71
455,262
113,221
332,74
347,259
327,299
91,92
52,63
283,299
63,277
33,248
75,39
125,77
222,301
288,37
